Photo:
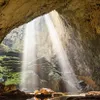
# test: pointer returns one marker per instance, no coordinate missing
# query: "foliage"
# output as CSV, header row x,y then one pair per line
x,y
15,79
12,77
4,47
1,57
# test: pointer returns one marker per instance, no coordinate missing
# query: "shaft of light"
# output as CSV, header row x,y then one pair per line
x,y
68,73
28,77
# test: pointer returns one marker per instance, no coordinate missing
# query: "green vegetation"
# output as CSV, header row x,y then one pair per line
x,y
15,79
4,48
10,65
12,77
1,57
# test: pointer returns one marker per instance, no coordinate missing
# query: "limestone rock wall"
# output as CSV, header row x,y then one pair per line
x,y
14,13
43,41
14,40
84,39
82,52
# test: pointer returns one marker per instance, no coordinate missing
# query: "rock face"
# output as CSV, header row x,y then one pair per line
x,y
14,13
48,75
83,52
82,14
43,41
14,39
83,43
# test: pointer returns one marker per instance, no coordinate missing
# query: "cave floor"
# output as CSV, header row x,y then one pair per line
x,y
18,95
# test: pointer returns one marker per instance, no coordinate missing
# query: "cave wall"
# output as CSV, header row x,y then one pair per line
x,y
83,52
14,13
43,41
84,38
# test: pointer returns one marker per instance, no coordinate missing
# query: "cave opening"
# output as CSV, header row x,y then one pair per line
x,y
37,55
